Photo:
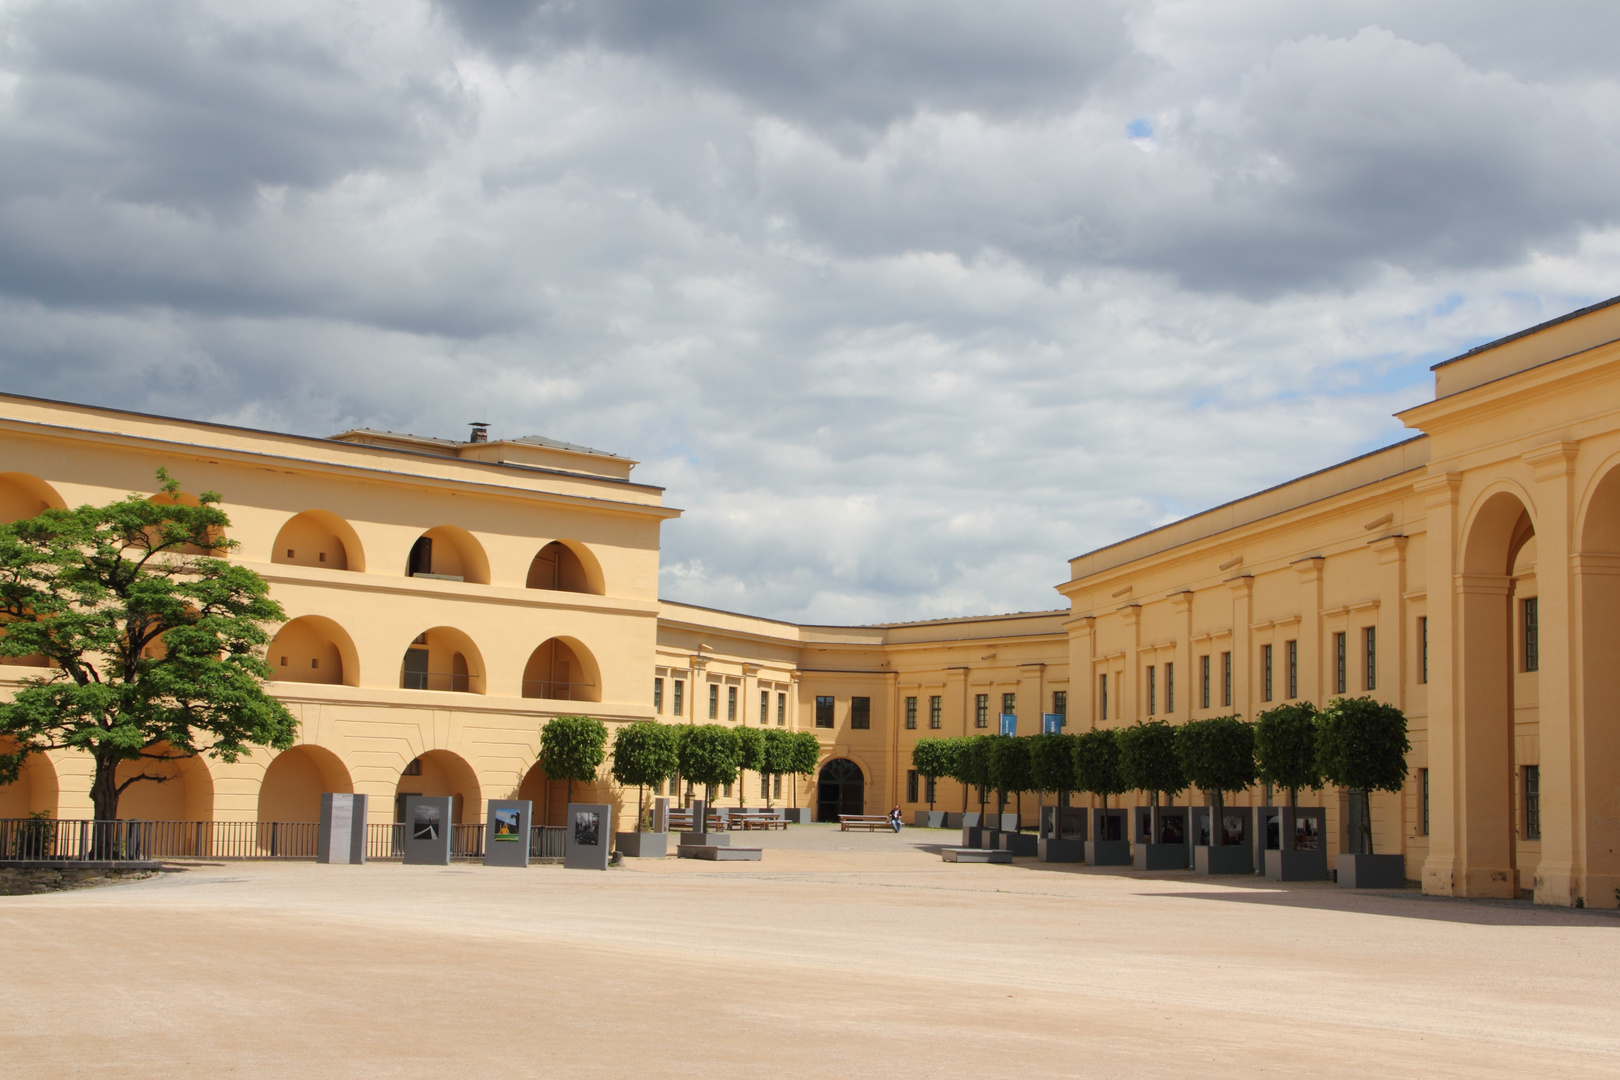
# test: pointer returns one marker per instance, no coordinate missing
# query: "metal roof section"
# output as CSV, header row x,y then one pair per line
x,y
1555,339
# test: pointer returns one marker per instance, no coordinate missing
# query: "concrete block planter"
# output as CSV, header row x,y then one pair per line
x,y
1052,849
1224,859
1160,857
953,820
975,855
1372,871
1018,843
1296,865
929,819
796,815
1108,852
642,845
971,819
1005,822
705,839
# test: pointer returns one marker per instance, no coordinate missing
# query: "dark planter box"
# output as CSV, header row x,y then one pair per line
x,y
1005,822
1296,865
642,845
1372,871
1160,857
929,819
1226,859
1108,852
953,820
797,815
705,839
972,819
1051,849
1019,843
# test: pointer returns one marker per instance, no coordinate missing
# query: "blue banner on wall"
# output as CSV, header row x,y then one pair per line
x,y
1009,723
1051,723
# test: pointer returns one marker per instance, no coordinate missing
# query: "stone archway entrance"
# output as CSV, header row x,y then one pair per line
x,y
840,790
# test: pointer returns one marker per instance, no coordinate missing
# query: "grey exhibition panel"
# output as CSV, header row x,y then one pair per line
x,y
1228,850
342,838
1108,846
1371,871
506,832
1297,853
427,830
1057,849
1018,843
1171,851
588,835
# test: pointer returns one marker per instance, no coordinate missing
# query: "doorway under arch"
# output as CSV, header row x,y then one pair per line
x,y
295,780
840,789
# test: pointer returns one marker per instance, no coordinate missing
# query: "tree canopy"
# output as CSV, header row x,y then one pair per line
x,y
1051,763
973,763
750,755
1285,748
1216,754
572,749
154,644
644,753
1361,744
1148,759
933,758
1010,771
709,754
1096,764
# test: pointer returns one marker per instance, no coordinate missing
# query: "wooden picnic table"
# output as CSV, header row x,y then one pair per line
x,y
869,822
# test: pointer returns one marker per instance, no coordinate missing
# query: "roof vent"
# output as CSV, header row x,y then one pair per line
x,y
480,431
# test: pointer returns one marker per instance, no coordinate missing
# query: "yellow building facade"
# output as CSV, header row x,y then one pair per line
x,y
446,598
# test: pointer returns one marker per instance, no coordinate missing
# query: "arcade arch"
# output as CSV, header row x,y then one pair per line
x,y
163,498
295,780
562,669
184,793
442,658
1596,594
566,566
23,495
840,789
321,539
450,553
441,772
35,791
314,649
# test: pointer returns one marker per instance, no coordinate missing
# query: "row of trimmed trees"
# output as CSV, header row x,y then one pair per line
x,y
646,754
1356,743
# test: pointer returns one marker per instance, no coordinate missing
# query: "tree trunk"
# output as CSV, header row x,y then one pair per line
x,y
1217,810
1153,817
104,789
742,787
1365,800
1293,798
641,804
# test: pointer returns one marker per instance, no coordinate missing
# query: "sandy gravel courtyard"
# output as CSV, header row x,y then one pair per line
x,y
838,955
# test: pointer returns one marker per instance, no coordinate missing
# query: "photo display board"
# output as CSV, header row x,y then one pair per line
x,y
589,836
506,832
427,830
342,838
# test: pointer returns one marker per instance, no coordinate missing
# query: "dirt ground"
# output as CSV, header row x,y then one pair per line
x,y
19,881
838,955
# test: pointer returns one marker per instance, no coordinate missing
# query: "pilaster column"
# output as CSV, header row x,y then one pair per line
x,y
1391,551
1242,588
1312,685
1181,604
1442,870
1131,685
1082,672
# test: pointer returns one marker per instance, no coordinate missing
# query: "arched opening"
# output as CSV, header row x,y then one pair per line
x,y
1597,643
313,649
550,797
841,789
321,539
565,566
163,498
293,784
440,772
35,791
442,658
185,791
448,553
1488,663
564,670
24,496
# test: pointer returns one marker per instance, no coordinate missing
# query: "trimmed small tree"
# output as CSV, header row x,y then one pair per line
x,y
1361,745
806,758
776,755
154,647
644,753
1149,762
1051,764
708,755
750,756
1217,756
1285,749
932,759
572,749
1010,770
974,762
1096,764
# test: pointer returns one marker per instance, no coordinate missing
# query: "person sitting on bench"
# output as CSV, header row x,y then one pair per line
x,y
895,818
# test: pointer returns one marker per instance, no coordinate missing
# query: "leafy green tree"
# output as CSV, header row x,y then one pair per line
x,y
932,759
1096,764
1148,760
1285,748
154,645
806,758
709,754
1051,764
1010,772
750,757
776,755
974,761
1361,745
572,749
644,753
1217,756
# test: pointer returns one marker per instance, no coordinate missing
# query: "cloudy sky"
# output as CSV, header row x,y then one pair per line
x,y
904,301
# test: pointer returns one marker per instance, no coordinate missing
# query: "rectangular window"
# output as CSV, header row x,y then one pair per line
x,y
824,712
764,707
1423,795
1339,681
1009,703
1532,802
1532,634
1203,682
911,714
981,710
731,703
1369,640
1060,702
726,790
936,712
781,710
776,787
1423,648
911,785
1226,680
1265,673
1102,687
714,701
680,692
658,695
932,789
1293,670
1169,688
1153,689
860,713
764,786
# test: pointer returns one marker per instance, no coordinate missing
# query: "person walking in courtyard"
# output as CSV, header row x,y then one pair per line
x,y
894,817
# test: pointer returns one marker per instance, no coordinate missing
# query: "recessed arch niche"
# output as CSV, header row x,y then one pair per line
x,y
319,539
313,649
295,780
23,495
562,669
448,552
566,566
442,658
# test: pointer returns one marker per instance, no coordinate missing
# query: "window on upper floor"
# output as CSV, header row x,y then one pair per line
x,y
824,712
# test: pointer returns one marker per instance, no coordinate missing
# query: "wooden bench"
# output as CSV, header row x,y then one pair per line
x,y
761,822
869,822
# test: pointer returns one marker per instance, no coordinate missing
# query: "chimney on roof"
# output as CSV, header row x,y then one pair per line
x,y
480,431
